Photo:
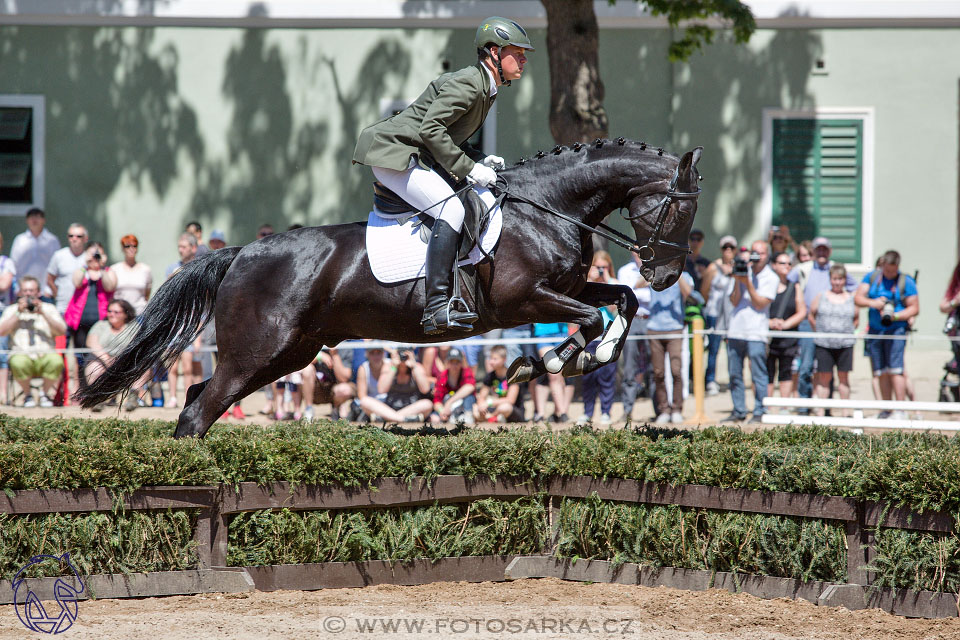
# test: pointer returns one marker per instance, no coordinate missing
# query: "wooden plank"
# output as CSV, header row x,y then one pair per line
x,y
85,500
701,496
336,575
385,492
138,585
856,554
900,602
897,518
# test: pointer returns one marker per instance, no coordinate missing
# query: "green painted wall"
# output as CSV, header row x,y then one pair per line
x,y
148,128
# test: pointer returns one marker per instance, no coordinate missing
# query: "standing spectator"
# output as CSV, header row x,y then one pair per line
x,y
264,230
834,311
33,325
636,353
217,240
403,390
950,305
134,279
604,379
64,263
453,396
189,360
93,286
667,317
696,264
786,313
804,252
779,241
748,331
552,385
892,299
32,250
814,278
197,231
498,401
106,339
8,272
716,288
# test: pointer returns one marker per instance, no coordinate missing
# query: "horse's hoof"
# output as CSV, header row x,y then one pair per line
x,y
524,369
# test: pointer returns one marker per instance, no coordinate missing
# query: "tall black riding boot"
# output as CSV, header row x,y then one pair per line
x,y
441,253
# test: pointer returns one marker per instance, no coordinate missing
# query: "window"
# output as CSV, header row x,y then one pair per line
x,y
817,180
21,153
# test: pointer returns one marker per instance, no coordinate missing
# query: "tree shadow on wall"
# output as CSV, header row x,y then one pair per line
x,y
113,109
266,175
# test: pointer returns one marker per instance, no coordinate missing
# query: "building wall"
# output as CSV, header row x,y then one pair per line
x,y
150,127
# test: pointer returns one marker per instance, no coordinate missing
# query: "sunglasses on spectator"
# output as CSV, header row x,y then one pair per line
x,y
778,237
76,235
729,246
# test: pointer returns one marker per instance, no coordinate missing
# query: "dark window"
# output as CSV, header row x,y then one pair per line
x,y
16,155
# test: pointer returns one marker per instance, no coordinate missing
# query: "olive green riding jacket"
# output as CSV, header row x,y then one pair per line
x,y
434,128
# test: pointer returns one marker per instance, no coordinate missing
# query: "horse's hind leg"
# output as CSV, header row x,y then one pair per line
x,y
194,391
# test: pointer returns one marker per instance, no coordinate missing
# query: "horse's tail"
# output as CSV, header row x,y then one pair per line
x,y
173,319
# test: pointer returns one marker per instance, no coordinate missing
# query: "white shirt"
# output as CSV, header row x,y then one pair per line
x,y
493,81
746,322
31,254
629,274
61,267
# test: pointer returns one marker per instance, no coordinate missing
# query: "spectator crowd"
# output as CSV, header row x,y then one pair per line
x,y
55,297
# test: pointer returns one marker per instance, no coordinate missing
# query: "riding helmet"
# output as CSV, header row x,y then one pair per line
x,y
502,32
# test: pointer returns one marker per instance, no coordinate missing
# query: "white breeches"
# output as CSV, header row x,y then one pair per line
x,y
423,188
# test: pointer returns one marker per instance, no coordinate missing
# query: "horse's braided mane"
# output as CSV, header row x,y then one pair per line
x,y
599,143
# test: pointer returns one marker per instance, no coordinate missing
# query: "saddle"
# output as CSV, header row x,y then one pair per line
x,y
475,221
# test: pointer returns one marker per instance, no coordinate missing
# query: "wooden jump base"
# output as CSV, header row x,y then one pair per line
x,y
217,502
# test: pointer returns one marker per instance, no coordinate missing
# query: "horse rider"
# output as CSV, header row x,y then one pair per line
x,y
403,151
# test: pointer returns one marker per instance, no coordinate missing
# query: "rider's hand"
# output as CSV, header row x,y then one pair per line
x,y
494,162
482,175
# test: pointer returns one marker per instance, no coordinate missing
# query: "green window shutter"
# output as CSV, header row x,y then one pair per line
x,y
818,181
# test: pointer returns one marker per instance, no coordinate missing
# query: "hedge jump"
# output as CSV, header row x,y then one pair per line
x,y
216,503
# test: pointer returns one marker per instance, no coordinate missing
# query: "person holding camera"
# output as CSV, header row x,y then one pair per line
x,y
93,285
754,289
33,325
950,305
403,390
891,296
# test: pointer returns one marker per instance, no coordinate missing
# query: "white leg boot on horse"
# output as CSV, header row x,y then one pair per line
x,y
438,314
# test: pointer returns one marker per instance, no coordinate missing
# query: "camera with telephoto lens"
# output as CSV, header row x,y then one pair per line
x,y
31,305
741,265
97,256
886,314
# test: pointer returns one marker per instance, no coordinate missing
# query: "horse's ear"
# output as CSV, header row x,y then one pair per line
x,y
690,160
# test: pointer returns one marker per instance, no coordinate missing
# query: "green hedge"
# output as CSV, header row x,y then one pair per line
x,y
916,471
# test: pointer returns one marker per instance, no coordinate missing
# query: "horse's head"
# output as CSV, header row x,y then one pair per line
x,y
662,214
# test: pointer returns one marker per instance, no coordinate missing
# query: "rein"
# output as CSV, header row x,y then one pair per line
x,y
647,252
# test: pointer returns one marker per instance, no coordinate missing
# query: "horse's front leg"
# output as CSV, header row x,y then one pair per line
x,y
614,336
549,306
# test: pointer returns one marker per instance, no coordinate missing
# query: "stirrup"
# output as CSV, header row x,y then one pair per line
x,y
449,318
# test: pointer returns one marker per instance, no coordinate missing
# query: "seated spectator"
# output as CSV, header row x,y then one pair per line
x,y
498,401
93,287
603,381
834,311
403,390
106,339
326,380
453,396
33,325
134,279
892,299
787,311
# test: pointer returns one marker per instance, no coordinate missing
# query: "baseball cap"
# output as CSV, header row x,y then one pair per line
x,y
454,354
725,240
820,241
216,234
696,232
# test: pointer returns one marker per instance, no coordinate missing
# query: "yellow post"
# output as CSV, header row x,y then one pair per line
x,y
699,384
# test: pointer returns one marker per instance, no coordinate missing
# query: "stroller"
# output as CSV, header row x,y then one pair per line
x,y
950,383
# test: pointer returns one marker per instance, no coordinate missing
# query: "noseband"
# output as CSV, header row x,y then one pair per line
x,y
648,252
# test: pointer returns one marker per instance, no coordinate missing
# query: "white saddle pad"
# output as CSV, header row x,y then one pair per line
x,y
397,253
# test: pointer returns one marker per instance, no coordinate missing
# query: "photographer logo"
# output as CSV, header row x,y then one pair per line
x,y
32,612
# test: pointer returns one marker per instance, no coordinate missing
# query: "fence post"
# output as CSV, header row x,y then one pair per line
x,y
859,550
699,382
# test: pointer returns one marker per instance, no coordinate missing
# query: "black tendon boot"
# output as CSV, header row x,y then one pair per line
x,y
441,252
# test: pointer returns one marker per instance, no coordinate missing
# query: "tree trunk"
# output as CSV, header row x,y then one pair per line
x,y
576,91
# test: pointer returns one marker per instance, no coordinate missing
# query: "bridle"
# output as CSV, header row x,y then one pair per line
x,y
653,242
648,252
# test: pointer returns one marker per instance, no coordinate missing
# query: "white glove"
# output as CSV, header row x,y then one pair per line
x,y
494,162
481,175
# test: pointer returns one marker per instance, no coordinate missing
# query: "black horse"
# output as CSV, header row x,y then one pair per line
x,y
277,301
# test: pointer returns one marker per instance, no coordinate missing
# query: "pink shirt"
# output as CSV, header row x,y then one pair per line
x,y
79,300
